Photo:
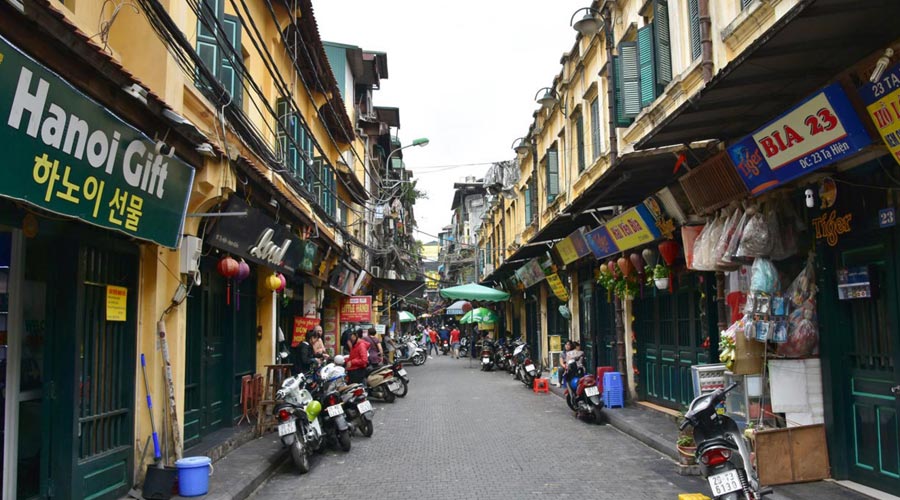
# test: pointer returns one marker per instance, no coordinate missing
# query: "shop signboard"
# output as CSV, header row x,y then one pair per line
x,y
601,243
819,131
343,279
330,329
302,324
633,228
882,100
67,154
357,309
573,247
257,238
116,303
558,288
432,279
531,273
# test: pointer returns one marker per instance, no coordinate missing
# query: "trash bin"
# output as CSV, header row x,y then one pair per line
x,y
193,476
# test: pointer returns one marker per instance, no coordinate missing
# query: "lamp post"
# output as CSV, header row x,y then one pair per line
x,y
520,146
422,142
587,25
549,99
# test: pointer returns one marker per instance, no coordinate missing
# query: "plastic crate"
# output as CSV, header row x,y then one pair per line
x,y
613,400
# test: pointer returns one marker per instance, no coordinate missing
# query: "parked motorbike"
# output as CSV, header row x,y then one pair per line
x,y
463,347
487,355
722,451
445,347
298,423
410,351
582,393
515,350
401,376
381,383
526,369
358,409
501,358
334,420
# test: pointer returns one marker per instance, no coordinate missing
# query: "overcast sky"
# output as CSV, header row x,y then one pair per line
x,y
463,74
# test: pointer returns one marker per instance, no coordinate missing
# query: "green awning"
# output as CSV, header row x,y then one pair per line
x,y
474,291
406,316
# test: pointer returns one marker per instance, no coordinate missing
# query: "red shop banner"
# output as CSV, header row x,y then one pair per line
x,y
357,309
302,325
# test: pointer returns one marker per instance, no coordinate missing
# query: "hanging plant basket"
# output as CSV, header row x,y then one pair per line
x,y
661,283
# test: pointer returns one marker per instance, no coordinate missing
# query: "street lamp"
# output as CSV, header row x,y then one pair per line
x,y
421,141
521,146
587,25
549,99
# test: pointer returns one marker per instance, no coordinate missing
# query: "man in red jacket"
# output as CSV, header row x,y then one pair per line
x,y
359,358
454,342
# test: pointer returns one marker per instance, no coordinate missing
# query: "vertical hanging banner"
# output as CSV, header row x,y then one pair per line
x,y
330,329
882,100
558,288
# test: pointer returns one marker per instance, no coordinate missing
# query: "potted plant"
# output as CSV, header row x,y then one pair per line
x,y
687,449
660,276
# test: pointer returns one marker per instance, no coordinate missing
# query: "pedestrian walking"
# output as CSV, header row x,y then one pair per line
x,y
432,341
390,347
359,358
454,342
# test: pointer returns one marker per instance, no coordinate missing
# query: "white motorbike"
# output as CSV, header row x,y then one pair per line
x,y
410,351
298,416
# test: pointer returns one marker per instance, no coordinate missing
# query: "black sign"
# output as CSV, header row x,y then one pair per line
x,y
257,238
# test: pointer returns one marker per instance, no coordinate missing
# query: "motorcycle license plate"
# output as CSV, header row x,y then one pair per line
x,y
335,410
725,482
529,368
591,391
393,385
485,361
402,372
364,407
286,428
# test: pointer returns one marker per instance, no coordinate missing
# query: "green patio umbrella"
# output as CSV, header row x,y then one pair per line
x,y
406,316
479,315
474,291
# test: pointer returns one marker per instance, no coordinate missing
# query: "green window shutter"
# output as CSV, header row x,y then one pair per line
x,y
527,194
207,46
647,62
579,124
595,128
281,129
663,43
229,73
621,119
745,3
694,16
631,79
552,175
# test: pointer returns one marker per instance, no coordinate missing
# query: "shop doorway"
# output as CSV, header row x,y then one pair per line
x,y
863,354
669,329
533,327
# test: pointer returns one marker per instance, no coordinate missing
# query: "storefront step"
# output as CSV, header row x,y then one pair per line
x,y
221,442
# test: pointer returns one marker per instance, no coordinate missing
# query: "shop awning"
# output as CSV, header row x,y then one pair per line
x,y
459,307
474,291
811,44
405,288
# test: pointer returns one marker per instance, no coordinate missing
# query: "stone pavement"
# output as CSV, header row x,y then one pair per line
x,y
464,434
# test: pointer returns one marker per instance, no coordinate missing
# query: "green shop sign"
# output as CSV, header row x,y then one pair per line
x,y
65,153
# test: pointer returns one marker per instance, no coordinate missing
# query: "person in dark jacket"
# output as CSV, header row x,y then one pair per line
x,y
304,356
359,358
345,340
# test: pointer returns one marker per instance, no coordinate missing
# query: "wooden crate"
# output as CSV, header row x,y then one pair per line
x,y
792,455
748,358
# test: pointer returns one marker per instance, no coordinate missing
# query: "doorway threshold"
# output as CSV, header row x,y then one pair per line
x,y
865,490
221,442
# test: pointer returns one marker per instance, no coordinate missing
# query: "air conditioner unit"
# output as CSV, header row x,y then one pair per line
x,y
391,274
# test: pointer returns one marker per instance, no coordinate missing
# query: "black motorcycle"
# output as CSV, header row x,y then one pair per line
x,y
487,355
722,451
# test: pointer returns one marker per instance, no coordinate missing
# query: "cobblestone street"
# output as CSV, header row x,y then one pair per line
x,y
463,434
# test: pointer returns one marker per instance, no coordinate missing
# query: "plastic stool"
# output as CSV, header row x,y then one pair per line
x,y
541,385
600,371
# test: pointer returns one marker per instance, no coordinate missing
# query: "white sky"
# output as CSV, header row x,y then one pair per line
x,y
463,73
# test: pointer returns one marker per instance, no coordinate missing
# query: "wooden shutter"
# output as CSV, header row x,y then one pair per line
x,y
631,79
663,43
694,16
527,194
579,124
647,63
621,119
230,73
207,46
595,128
552,175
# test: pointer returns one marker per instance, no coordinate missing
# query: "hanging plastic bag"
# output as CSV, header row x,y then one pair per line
x,y
756,240
764,277
701,257
707,242
786,245
802,328
731,252
723,263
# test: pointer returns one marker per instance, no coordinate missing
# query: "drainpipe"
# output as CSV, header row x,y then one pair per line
x,y
610,87
706,55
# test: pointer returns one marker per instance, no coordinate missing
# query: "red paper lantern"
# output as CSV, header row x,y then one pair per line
x,y
669,251
283,283
613,268
228,267
625,266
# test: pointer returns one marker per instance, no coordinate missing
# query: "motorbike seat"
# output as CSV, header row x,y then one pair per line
x,y
719,442
584,382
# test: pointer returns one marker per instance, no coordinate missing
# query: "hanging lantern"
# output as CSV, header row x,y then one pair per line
x,y
604,268
273,282
625,266
669,251
613,269
282,283
637,263
650,257
228,268
242,274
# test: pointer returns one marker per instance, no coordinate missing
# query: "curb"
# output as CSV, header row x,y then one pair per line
x,y
245,492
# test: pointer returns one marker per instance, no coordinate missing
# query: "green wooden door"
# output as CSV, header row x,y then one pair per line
x,y
863,343
105,365
670,332
605,329
533,328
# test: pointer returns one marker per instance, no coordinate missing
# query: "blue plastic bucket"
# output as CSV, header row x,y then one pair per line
x,y
193,476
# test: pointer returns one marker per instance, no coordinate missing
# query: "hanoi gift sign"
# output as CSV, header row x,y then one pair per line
x,y
817,132
69,155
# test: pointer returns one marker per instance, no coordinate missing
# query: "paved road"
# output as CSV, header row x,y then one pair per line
x,y
464,434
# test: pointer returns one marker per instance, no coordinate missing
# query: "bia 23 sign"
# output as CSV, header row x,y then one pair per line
x,y
819,131
69,155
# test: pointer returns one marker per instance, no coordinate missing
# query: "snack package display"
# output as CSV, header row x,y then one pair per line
x,y
756,239
764,277
803,331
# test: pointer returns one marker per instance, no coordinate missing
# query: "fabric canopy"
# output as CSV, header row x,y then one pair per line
x,y
459,307
474,291
406,316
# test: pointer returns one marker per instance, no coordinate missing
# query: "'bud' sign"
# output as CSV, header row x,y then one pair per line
x,y
819,131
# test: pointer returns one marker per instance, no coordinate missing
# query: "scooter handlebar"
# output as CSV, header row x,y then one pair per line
x,y
684,423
